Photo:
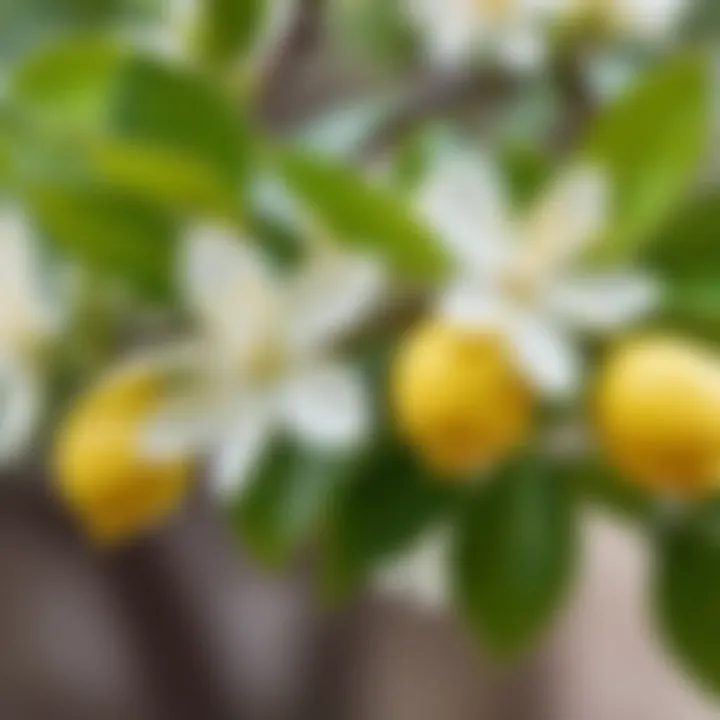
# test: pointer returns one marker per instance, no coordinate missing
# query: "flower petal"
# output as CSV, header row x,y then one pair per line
x,y
331,295
177,424
650,19
469,306
607,301
179,429
567,219
19,408
26,311
240,446
327,406
462,199
230,288
451,30
546,355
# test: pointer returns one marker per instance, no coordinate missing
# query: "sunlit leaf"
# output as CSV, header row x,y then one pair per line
x,y
68,84
362,215
97,88
226,28
651,143
167,177
686,258
113,235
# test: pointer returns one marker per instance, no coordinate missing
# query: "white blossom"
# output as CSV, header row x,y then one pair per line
x,y
265,355
454,30
515,275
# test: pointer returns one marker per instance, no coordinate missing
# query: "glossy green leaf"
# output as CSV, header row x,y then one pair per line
x,y
686,258
114,235
362,215
514,556
287,503
688,248
97,89
114,143
687,593
227,28
651,143
386,504
168,178
68,84
162,105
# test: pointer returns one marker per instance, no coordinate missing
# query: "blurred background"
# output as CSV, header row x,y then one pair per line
x,y
183,623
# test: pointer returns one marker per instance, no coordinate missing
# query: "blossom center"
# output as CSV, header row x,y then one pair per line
x,y
522,284
497,11
267,362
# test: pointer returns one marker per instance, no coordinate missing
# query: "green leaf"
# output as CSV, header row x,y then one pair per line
x,y
227,28
686,258
688,248
67,85
163,105
687,594
362,215
514,556
651,143
388,503
116,236
113,142
168,178
97,90
287,503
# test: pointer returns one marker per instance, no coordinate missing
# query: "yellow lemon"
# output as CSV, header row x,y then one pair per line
x,y
658,413
458,398
101,473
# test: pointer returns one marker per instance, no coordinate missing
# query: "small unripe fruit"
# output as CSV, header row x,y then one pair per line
x,y
102,475
458,398
658,413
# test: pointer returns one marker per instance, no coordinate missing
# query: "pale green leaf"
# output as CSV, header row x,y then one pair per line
x,y
651,143
362,215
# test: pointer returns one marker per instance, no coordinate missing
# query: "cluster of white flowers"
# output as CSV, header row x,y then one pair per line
x,y
516,29
262,361
264,355
514,274
512,278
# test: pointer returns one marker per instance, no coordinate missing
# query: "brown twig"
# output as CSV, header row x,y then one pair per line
x,y
579,105
301,39
441,95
